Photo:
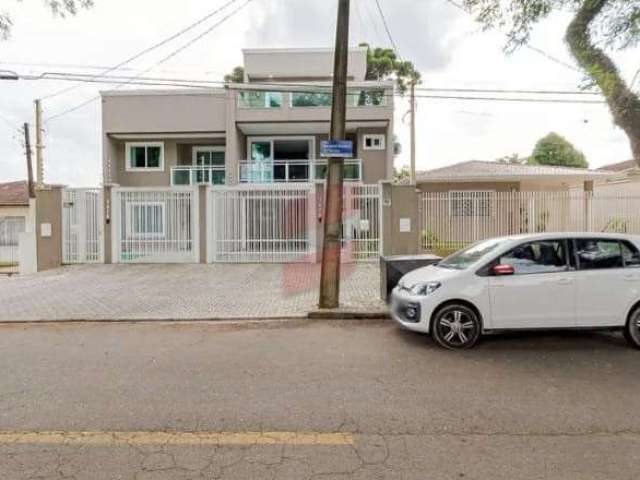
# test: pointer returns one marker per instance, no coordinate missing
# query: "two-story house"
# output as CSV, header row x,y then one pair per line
x,y
262,133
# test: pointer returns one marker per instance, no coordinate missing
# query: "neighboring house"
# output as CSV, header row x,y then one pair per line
x,y
474,200
263,135
625,179
266,130
482,176
14,210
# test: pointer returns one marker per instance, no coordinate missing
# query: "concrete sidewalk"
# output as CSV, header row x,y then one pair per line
x,y
180,292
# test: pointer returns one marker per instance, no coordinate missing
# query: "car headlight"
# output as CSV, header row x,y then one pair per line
x,y
424,288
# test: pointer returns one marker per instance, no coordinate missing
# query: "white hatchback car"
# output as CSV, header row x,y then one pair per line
x,y
545,281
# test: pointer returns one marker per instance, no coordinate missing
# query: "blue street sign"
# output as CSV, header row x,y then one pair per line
x,y
336,148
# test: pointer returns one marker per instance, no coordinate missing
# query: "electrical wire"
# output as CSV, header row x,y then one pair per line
x,y
386,27
152,47
161,61
533,48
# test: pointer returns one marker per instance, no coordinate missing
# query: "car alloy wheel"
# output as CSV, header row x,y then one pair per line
x,y
456,327
632,330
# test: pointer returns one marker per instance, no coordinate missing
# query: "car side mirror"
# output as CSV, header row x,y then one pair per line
x,y
500,270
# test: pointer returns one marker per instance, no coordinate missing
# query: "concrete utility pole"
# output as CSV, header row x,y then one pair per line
x,y
330,273
413,132
27,146
39,146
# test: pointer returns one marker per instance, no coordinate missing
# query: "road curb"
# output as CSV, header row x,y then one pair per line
x,y
152,320
338,314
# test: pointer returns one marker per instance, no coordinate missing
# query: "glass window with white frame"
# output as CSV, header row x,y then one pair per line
x,y
373,142
146,220
144,156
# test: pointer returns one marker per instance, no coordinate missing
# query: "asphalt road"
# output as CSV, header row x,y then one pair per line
x,y
360,400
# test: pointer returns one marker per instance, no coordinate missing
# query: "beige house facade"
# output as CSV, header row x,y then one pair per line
x,y
266,130
624,180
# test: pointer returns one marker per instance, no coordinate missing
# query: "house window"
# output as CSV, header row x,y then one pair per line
x,y
256,99
311,99
373,142
145,156
471,204
146,220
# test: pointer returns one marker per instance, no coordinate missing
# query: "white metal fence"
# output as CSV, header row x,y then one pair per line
x,y
261,223
451,220
155,225
82,239
10,230
361,223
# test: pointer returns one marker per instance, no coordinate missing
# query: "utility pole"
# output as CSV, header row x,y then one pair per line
x,y
27,146
330,273
413,132
39,146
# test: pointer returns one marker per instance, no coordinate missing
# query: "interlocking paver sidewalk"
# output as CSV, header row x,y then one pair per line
x,y
179,292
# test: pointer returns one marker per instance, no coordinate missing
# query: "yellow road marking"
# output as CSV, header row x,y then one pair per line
x,y
175,438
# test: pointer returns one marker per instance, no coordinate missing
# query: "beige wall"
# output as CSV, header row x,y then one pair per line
x,y
14,211
400,202
164,111
49,211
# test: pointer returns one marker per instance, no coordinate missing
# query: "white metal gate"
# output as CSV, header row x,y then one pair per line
x,y
261,223
82,239
10,230
361,223
155,225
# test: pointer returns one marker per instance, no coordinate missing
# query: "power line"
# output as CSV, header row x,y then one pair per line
x,y
533,48
386,27
197,83
311,89
163,60
152,47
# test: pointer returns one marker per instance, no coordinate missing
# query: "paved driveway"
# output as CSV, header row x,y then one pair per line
x,y
165,292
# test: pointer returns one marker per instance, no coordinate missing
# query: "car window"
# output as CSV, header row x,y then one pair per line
x,y
465,258
544,256
631,255
596,254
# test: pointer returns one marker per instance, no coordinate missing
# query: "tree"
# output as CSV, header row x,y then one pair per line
x,y
513,159
383,63
598,26
236,75
555,150
402,174
60,8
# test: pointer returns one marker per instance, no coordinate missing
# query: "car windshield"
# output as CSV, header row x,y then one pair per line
x,y
470,255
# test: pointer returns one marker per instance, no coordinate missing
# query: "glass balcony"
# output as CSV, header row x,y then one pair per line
x,y
258,99
291,171
355,98
197,175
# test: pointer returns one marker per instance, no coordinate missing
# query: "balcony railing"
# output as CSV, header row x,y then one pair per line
x,y
291,171
197,175
260,99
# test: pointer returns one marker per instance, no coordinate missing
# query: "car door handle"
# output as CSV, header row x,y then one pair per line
x,y
565,281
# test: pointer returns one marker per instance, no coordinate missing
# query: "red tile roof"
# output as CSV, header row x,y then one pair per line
x,y
14,193
620,166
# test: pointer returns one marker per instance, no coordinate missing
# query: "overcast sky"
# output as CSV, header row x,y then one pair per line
x,y
445,44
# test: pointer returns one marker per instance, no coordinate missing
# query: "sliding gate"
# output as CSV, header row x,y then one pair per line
x,y
82,240
262,223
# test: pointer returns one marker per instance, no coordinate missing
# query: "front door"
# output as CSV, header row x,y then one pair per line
x,y
542,291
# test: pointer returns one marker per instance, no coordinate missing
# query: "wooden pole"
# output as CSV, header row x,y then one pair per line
x,y
330,272
413,133
39,146
27,146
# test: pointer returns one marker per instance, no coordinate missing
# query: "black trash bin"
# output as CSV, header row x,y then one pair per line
x,y
392,269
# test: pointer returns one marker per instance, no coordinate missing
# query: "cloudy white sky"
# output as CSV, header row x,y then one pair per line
x,y
444,43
